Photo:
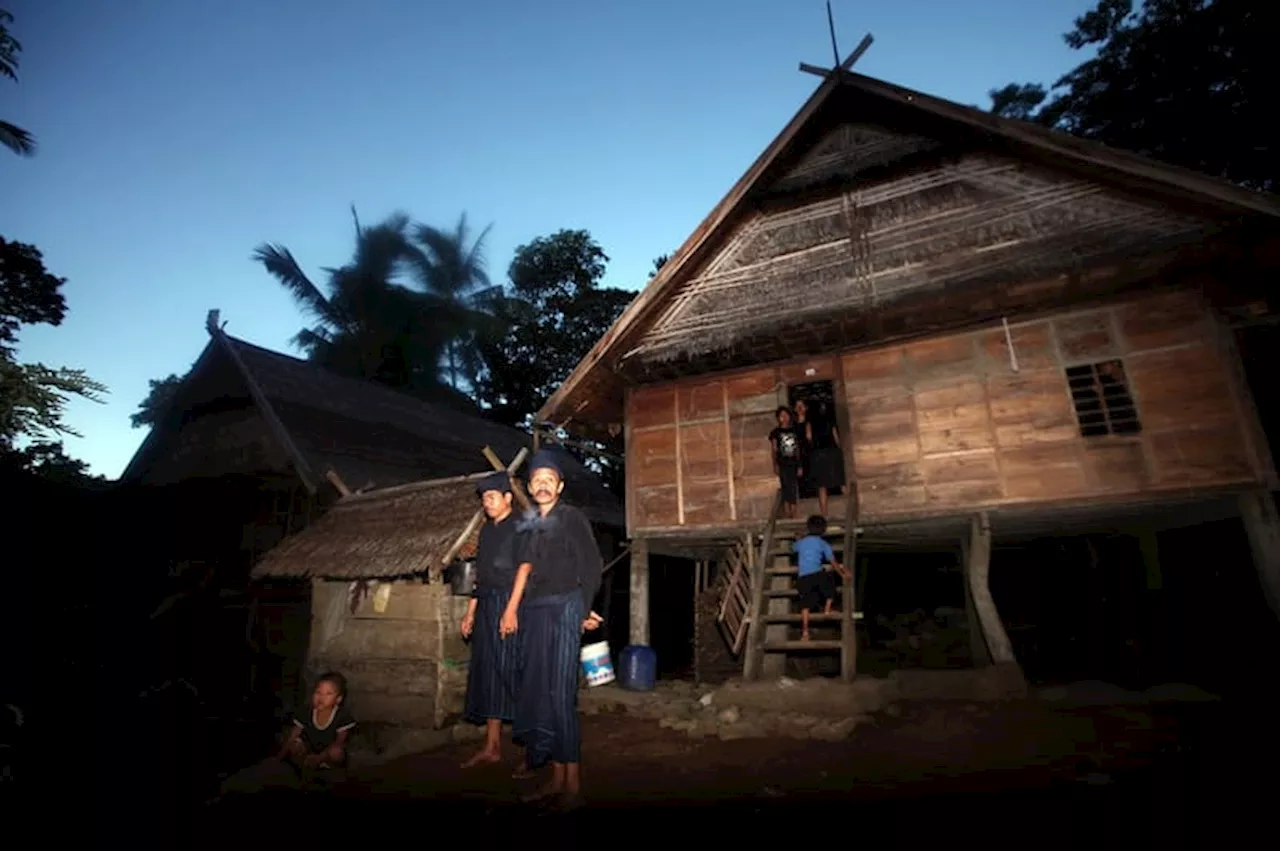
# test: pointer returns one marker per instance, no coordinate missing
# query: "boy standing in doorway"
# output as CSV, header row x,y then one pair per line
x,y
788,461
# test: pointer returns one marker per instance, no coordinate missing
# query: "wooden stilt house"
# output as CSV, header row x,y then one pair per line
x,y
1017,331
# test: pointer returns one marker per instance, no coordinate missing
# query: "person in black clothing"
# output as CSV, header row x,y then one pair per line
x,y
559,574
788,459
493,675
319,738
825,460
315,749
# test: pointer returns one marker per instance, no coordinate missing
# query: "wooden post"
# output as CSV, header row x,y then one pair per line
x,y
1261,523
977,644
639,592
336,480
848,626
978,571
498,467
753,662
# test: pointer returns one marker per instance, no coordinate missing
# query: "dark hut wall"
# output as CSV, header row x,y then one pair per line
x,y
406,665
232,440
946,424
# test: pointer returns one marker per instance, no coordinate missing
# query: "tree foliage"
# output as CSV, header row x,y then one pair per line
x,y
552,312
150,409
48,460
33,396
369,320
12,136
444,267
1188,82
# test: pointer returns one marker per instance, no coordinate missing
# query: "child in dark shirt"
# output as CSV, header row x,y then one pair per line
x,y
788,459
314,750
319,739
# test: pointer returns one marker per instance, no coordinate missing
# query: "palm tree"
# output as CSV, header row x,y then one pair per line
x,y
369,325
12,136
446,268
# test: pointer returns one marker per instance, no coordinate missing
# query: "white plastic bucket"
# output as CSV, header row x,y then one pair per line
x,y
596,664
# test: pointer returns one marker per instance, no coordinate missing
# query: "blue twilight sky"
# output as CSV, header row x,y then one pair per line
x,y
176,135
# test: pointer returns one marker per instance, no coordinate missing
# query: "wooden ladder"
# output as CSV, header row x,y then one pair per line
x,y
773,566
733,585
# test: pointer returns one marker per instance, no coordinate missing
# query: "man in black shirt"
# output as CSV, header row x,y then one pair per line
x,y
493,674
558,576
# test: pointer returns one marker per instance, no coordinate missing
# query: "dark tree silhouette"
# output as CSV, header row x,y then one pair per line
x,y
369,324
12,136
552,312
158,398
33,397
1188,82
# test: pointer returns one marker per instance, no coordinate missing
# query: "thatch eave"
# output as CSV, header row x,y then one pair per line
x,y
398,532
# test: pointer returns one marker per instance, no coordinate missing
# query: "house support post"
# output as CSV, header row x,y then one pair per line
x,y
1262,525
639,592
977,644
977,576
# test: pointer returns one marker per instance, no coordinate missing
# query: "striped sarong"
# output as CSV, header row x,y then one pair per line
x,y
493,676
547,710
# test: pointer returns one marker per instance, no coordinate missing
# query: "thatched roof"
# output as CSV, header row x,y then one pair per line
x,y
876,198
371,436
401,531
388,534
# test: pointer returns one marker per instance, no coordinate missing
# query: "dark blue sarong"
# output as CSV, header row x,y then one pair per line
x,y
493,676
547,707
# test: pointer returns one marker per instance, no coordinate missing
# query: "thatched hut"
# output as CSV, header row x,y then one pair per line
x,y
379,610
252,448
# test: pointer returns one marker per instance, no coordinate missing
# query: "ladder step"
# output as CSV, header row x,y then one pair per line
x,y
786,551
787,571
834,617
793,646
781,592
790,527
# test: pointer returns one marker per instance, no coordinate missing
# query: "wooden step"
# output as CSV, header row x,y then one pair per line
x,y
787,551
834,617
794,646
791,527
784,570
781,592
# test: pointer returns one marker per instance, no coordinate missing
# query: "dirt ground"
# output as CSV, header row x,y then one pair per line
x,y
1010,773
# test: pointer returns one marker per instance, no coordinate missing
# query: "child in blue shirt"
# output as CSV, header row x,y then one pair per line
x,y
816,559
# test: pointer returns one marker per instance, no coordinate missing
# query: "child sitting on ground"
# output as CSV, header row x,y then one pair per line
x,y
815,583
314,750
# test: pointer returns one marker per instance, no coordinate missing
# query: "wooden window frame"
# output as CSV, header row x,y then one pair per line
x,y
1102,400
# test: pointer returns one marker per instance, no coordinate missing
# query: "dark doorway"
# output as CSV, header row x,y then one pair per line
x,y
819,398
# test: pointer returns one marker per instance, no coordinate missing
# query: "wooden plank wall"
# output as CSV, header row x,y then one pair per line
x,y
406,665
946,424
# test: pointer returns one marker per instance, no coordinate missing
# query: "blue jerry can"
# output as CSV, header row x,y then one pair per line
x,y
638,668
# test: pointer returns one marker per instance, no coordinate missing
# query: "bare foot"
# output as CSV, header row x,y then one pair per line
x,y
541,795
482,758
804,636
567,802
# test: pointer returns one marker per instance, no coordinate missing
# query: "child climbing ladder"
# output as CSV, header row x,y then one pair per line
x,y
815,584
